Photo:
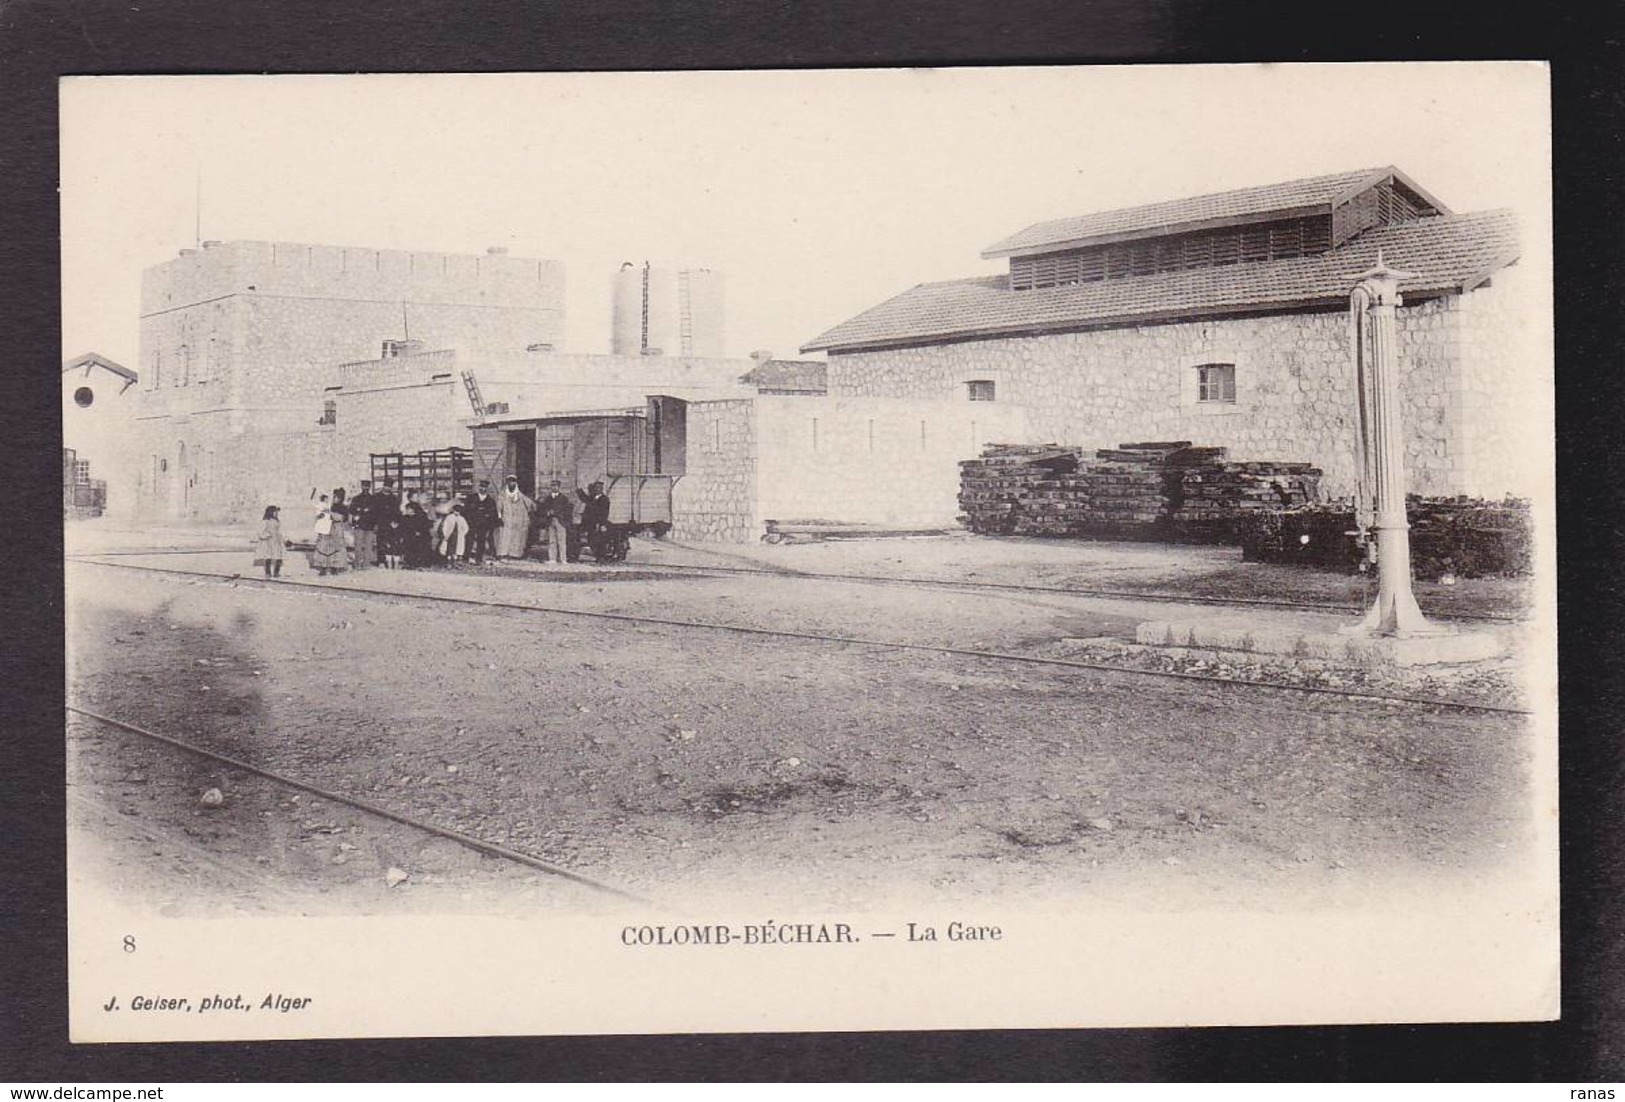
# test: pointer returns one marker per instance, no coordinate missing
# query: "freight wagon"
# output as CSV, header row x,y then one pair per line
x,y
638,454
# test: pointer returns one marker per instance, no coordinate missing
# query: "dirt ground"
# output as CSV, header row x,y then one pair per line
x,y
682,763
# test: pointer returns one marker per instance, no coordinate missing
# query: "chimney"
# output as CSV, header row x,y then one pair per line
x,y
761,355
497,250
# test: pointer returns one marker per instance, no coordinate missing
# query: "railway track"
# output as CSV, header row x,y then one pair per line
x,y
489,849
353,591
1068,591
264,887
951,585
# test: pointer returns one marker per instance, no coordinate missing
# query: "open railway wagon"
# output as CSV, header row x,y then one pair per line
x,y
638,455
448,471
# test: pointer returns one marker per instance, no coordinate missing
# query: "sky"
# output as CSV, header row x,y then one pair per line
x,y
817,193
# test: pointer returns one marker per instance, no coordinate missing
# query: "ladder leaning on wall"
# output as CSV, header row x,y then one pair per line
x,y
474,398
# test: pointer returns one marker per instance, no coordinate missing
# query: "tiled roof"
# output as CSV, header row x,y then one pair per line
x,y
1448,253
798,375
1245,204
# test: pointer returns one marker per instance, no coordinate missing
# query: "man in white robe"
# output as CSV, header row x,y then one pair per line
x,y
514,511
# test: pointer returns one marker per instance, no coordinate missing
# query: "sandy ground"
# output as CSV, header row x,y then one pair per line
x,y
679,762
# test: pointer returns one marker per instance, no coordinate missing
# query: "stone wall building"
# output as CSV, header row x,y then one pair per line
x,y
836,460
239,341
1224,320
422,400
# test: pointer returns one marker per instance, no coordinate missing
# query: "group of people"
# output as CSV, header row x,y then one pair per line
x,y
412,530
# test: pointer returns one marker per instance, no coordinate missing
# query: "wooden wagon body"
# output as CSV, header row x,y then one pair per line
x,y
636,453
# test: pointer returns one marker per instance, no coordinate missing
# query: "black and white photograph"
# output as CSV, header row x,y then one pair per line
x,y
815,550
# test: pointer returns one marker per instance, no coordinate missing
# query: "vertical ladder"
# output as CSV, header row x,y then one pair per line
x,y
685,316
643,342
474,398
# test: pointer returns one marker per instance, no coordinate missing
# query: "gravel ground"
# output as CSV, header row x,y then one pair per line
x,y
960,557
682,763
1194,571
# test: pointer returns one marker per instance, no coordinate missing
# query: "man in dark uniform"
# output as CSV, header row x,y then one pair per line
x,y
595,519
481,512
364,523
555,512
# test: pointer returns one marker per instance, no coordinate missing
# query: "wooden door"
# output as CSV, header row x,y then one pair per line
x,y
490,457
555,457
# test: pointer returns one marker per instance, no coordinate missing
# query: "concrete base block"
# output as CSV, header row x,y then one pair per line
x,y
1319,638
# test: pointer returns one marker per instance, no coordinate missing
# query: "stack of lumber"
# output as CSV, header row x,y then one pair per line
x,y
1163,490
1466,537
1018,489
1214,494
1128,487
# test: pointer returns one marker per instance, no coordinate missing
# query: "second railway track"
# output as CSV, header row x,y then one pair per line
x,y
479,845
843,640
952,585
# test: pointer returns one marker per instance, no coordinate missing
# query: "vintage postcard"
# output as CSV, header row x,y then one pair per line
x,y
816,550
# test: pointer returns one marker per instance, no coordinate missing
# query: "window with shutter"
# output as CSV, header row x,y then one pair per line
x,y
1216,383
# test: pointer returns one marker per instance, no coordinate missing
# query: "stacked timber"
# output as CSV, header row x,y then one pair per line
x,y
1161,490
1013,489
1212,495
1465,537
1128,489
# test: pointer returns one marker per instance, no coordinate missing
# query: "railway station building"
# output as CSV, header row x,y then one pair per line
x,y
239,339
276,370
1223,320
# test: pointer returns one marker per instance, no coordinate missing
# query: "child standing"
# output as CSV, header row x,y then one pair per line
x,y
268,544
391,535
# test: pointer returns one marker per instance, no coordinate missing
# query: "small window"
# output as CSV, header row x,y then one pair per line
x,y
330,413
83,397
1216,383
980,390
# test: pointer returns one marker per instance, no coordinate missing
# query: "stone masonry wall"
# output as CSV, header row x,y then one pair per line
x,y
331,271
1295,397
715,500
283,469
872,460
553,382
1507,391
406,418
241,340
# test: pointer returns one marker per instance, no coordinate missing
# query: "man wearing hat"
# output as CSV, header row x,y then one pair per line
x,y
364,523
481,512
595,519
557,511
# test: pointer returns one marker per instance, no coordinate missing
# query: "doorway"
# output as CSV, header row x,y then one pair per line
x,y
522,459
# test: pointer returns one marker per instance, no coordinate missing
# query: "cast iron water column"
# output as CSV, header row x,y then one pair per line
x,y
1373,302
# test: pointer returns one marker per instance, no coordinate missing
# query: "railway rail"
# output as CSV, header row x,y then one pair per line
x,y
490,849
1211,601
843,640
1069,591
263,885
